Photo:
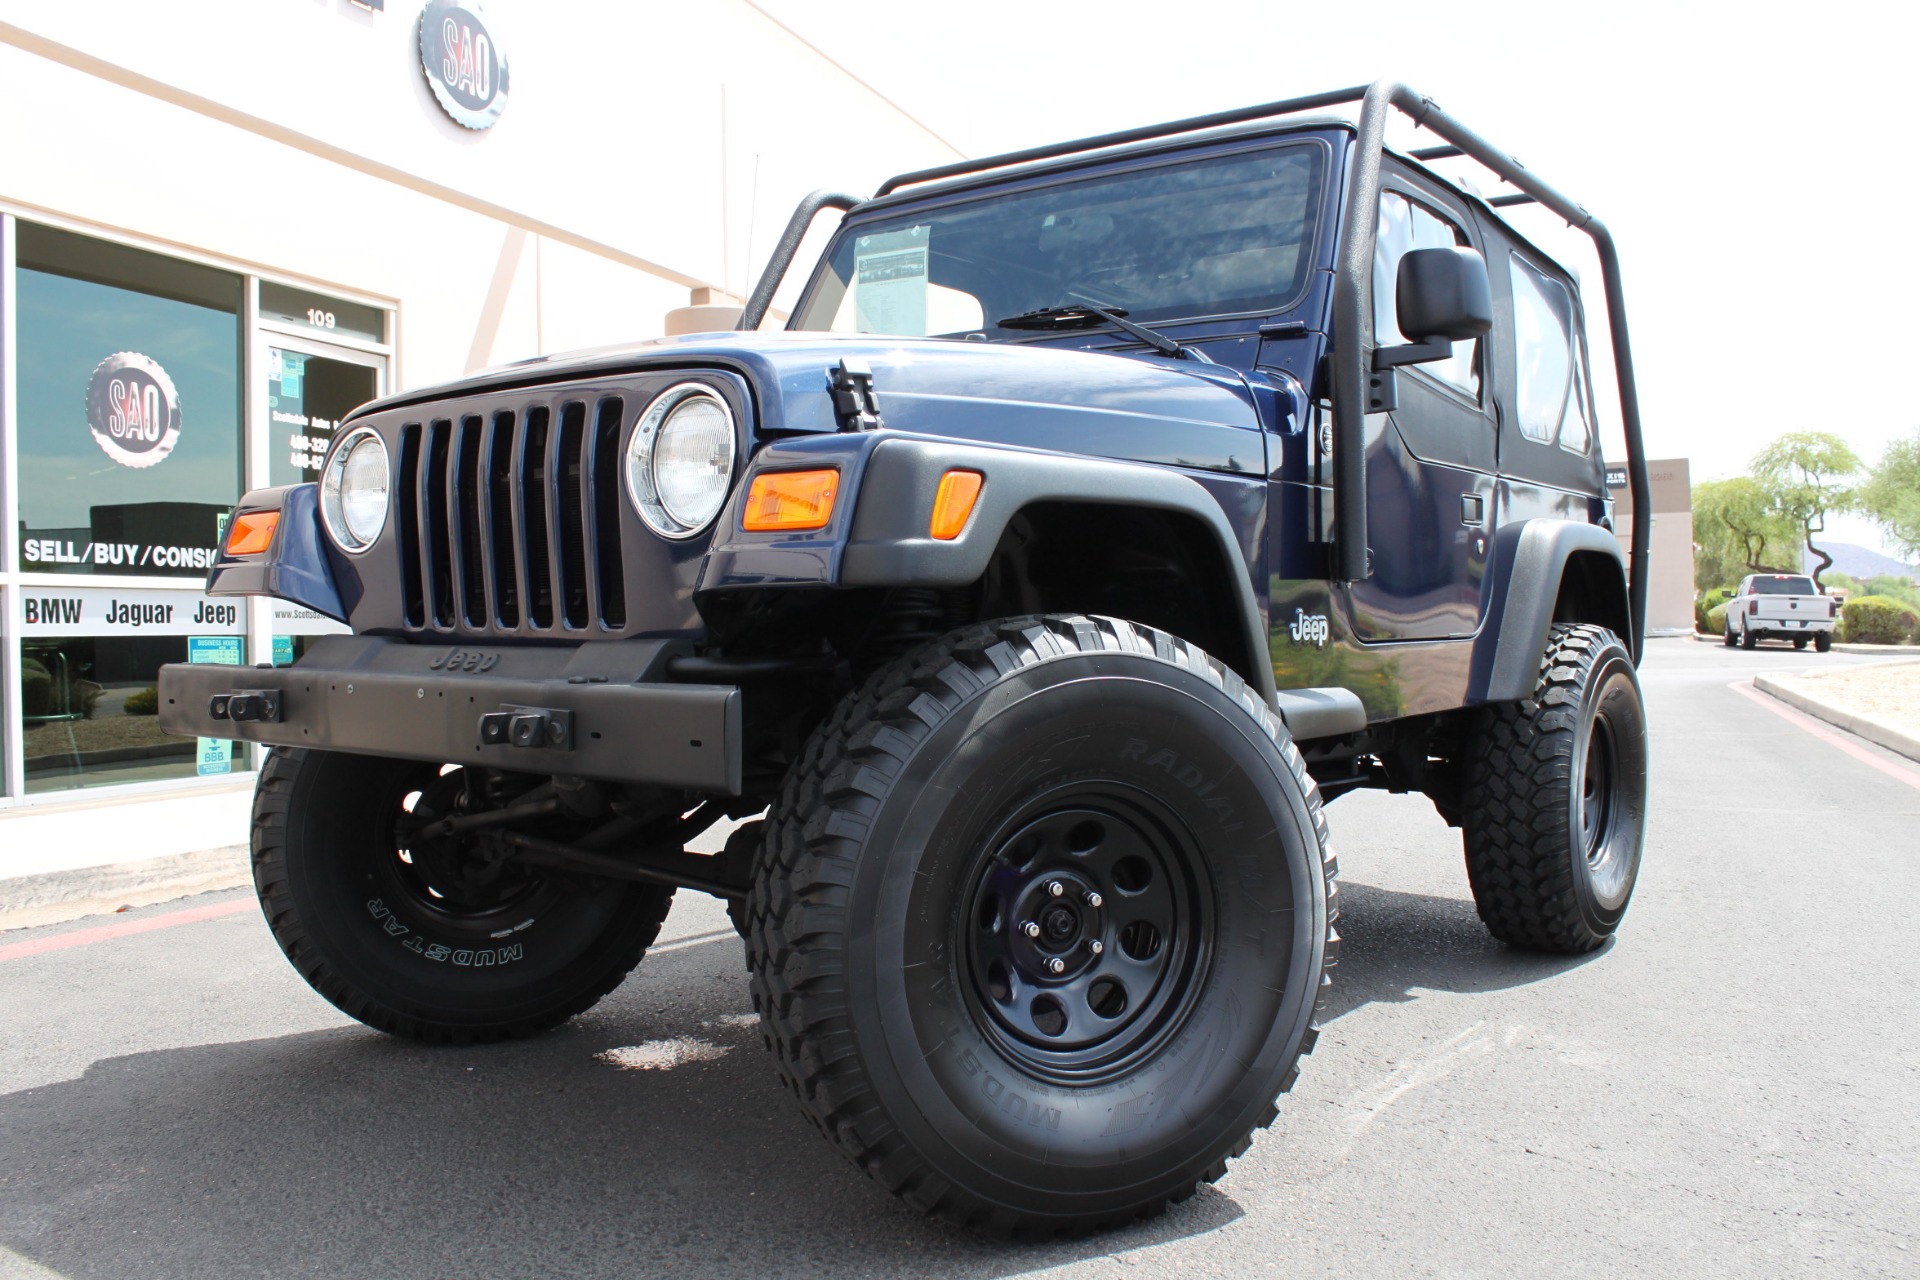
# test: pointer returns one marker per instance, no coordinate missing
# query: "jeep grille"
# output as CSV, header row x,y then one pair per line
x,y
501,516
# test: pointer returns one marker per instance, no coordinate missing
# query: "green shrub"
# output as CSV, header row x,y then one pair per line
x,y
1877,620
86,696
1902,590
144,703
1704,606
1715,622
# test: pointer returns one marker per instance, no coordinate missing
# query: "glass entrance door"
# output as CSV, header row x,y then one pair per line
x,y
310,388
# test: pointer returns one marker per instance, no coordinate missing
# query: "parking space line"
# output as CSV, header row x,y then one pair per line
x,y
1807,723
124,929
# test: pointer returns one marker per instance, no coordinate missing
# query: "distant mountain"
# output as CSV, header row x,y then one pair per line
x,y
1858,562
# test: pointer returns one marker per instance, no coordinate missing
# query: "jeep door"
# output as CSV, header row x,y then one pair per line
x,y
1430,461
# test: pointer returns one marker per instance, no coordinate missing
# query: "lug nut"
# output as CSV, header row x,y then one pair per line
x,y
1031,929
1055,888
1095,946
1056,966
1094,899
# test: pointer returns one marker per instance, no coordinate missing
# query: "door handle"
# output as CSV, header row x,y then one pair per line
x,y
1473,509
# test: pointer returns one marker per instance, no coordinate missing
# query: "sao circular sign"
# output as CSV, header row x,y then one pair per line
x,y
464,68
133,410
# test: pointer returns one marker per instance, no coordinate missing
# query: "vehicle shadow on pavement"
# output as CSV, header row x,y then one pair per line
x,y
346,1153
1393,945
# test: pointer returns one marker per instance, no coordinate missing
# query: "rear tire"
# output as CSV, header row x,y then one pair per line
x,y
397,937
1799,642
1555,800
1748,640
904,921
1823,643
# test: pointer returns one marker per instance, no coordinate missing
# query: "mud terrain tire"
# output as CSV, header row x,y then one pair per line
x,y
361,924
1556,798
1057,781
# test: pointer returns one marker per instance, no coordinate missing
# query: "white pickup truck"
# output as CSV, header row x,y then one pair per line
x,y
1781,606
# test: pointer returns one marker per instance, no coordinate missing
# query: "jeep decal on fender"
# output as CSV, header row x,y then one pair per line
x,y
1309,628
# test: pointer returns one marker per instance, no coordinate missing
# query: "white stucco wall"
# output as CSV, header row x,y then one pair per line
x,y
677,134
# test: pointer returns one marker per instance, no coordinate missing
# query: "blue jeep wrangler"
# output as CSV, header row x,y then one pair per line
x,y
1104,510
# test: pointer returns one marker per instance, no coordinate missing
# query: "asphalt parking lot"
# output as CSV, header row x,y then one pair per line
x,y
1727,1090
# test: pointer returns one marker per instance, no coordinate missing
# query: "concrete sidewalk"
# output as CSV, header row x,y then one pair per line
x,y
1867,701
68,858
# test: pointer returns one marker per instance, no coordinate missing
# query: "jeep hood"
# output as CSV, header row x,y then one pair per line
x,y
1040,396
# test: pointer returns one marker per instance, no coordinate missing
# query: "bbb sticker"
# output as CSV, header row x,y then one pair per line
x,y
133,410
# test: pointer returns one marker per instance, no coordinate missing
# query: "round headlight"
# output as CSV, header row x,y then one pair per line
x,y
353,490
680,460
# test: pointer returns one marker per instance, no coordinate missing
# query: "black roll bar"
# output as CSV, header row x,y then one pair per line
x,y
1353,329
789,244
1352,346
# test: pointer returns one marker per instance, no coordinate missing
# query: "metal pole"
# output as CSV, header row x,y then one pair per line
x,y
1352,336
13,784
1192,124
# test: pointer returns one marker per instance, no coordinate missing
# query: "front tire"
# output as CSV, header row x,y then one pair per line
x,y
406,936
1556,798
998,802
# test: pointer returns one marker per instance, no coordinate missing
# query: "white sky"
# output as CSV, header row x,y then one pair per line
x,y
1755,162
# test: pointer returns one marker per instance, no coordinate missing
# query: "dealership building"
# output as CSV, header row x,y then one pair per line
x,y
224,226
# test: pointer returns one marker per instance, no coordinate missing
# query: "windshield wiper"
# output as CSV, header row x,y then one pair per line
x,y
1085,315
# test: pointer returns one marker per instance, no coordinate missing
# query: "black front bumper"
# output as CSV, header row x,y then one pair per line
x,y
597,710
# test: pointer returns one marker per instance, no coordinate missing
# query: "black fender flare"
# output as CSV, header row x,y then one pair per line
x,y
1526,567
889,543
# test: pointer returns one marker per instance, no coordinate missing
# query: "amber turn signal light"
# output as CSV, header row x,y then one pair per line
x,y
779,501
953,503
251,534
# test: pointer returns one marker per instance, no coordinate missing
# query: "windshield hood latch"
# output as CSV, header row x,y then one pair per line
x,y
855,403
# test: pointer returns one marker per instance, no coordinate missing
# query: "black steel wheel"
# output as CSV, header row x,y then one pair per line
x,y
1040,923
421,934
1555,800
1087,923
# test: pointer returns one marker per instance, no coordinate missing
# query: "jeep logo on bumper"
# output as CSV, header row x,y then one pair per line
x,y
464,660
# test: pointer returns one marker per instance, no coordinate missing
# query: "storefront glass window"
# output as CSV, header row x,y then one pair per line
x,y
89,706
129,398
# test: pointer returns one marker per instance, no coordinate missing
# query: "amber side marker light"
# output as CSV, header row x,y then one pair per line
x,y
953,503
252,533
784,500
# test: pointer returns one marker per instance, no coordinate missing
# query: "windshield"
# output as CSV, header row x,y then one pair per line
x,y
1223,235
1783,587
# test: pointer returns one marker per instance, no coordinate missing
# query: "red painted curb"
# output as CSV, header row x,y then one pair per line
x,y
125,929
1808,724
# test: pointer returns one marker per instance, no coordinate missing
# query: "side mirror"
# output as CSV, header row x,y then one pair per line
x,y
1441,297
